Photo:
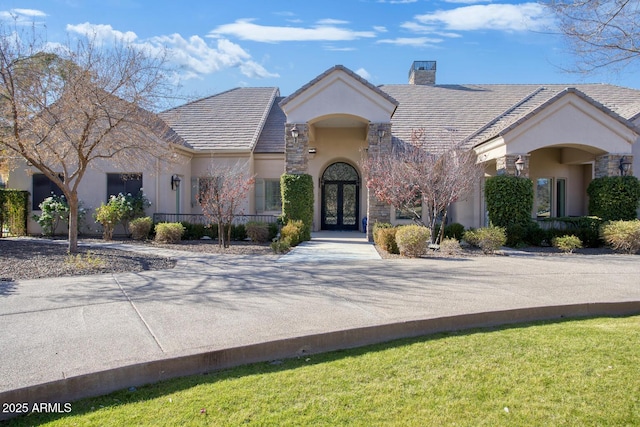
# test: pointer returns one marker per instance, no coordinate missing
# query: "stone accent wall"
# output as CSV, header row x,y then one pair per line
x,y
377,211
609,165
422,77
297,151
507,165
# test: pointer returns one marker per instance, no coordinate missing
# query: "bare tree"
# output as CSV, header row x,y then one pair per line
x,y
601,33
68,108
221,195
436,178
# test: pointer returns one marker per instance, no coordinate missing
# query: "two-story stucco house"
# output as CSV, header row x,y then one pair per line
x,y
566,136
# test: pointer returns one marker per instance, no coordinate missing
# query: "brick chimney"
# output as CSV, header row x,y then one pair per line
x,y
422,73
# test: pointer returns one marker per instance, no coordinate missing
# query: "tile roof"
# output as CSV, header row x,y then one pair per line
x,y
272,137
231,120
472,114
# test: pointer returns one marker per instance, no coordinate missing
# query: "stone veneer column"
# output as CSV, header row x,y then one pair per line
x,y
609,165
507,165
296,151
377,211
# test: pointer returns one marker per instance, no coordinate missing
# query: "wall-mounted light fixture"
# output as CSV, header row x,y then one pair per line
x,y
519,166
313,150
381,134
175,182
625,166
295,133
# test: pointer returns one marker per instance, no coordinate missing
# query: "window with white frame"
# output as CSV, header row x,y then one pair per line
x,y
268,197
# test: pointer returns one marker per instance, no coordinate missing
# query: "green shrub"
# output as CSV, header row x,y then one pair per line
x,y
297,201
109,216
377,226
567,243
169,232
53,210
450,246
258,231
386,238
281,246
14,210
489,239
274,229
292,232
622,236
238,232
198,231
412,240
614,198
454,230
509,200
141,227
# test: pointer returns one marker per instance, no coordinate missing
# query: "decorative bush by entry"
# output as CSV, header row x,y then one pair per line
x,y
169,232
623,236
567,243
509,200
386,238
450,246
377,226
489,239
291,233
412,240
454,230
614,198
140,228
297,201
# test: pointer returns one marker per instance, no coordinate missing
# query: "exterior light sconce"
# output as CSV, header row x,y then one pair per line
x,y
295,133
519,166
381,134
312,150
625,166
175,182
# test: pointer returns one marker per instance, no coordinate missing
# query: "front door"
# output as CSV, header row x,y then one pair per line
x,y
340,197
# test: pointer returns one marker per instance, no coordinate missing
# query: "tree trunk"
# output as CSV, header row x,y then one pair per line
x,y
72,200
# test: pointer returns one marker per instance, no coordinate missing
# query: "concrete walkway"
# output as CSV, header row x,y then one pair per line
x,y
65,338
333,246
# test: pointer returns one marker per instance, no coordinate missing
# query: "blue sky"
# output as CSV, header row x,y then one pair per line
x,y
218,45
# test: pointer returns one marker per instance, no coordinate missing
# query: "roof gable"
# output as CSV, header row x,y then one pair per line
x,y
338,91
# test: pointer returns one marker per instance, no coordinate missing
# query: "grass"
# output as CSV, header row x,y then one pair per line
x,y
571,373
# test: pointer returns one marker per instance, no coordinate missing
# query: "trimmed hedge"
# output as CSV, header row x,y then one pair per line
x,y
14,210
412,240
614,198
297,201
509,200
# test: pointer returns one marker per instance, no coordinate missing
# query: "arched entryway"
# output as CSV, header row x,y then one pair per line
x,y
340,197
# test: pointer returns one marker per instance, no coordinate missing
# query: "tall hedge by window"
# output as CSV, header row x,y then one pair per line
x,y
614,198
509,200
297,200
14,208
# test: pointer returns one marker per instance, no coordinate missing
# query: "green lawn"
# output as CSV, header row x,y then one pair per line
x,y
569,373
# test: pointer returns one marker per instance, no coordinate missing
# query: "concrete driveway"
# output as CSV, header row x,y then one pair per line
x,y
66,338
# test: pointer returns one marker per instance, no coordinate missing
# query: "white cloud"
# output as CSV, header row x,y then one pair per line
x,y
467,1
193,57
504,17
415,41
339,49
363,73
245,29
330,21
380,28
102,34
22,16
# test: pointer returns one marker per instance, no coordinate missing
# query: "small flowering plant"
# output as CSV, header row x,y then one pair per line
x,y
120,209
54,209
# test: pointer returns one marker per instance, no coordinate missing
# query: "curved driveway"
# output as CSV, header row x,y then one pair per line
x,y
59,328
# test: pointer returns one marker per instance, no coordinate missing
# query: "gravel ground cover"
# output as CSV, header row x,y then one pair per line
x,y
23,259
